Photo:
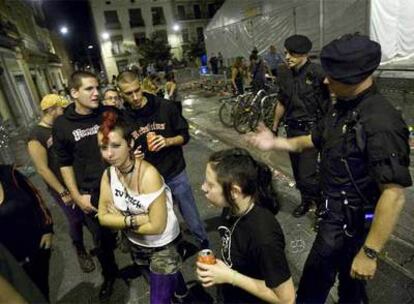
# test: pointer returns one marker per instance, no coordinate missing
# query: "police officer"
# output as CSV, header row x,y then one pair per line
x,y
303,100
364,149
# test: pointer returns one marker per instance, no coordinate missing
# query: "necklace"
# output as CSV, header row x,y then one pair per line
x,y
226,238
129,170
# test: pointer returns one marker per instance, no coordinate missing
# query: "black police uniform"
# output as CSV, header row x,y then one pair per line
x,y
363,143
306,100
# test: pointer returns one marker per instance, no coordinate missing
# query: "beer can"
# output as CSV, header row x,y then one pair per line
x,y
206,256
150,138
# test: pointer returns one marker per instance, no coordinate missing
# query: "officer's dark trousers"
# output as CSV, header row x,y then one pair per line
x,y
104,240
332,253
305,171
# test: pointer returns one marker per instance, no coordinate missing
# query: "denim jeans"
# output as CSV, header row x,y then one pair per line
x,y
183,196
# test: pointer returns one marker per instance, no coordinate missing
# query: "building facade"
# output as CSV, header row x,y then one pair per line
x,y
123,25
29,66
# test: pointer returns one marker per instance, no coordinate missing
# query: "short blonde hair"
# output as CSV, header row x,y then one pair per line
x,y
126,77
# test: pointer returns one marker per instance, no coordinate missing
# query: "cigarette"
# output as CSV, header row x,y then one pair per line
x,y
73,206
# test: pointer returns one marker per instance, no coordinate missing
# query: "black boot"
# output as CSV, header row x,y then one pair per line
x,y
106,289
85,260
301,210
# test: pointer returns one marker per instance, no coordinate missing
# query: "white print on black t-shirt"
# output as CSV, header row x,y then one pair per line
x,y
78,134
153,126
225,234
129,199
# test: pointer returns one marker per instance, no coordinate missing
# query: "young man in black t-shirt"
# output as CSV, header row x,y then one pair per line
x,y
147,114
40,145
81,165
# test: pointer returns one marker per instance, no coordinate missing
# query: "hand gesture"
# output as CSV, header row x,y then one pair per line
x,y
84,202
210,275
159,142
363,268
138,154
262,139
46,241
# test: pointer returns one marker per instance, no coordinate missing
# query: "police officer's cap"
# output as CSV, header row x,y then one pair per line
x,y
351,58
298,44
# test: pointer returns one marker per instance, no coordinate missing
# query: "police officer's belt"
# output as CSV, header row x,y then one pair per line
x,y
300,125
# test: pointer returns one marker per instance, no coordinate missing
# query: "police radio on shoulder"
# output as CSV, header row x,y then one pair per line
x,y
370,253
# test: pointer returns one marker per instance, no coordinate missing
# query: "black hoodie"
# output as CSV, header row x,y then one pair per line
x,y
76,144
162,117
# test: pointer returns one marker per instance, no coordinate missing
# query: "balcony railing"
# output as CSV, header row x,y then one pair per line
x,y
159,21
133,24
189,17
113,26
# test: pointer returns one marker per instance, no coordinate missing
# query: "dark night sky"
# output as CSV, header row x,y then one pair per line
x,y
76,15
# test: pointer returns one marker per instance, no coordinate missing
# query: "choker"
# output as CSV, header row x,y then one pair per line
x,y
130,170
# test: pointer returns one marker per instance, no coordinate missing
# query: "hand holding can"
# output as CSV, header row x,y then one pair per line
x,y
150,137
206,256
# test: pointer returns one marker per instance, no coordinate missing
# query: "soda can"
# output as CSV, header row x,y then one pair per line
x,y
206,256
150,138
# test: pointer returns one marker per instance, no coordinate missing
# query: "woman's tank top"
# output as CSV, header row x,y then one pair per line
x,y
133,203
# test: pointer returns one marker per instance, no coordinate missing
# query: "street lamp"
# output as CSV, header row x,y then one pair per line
x,y
90,46
105,35
64,30
176,27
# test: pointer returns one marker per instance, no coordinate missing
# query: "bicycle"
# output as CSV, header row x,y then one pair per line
x,y
267,107
246,114
226,110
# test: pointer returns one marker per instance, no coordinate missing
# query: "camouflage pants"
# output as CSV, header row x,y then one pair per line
x,y
161,260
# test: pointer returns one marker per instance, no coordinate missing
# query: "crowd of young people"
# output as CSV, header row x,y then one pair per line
x,y
117,164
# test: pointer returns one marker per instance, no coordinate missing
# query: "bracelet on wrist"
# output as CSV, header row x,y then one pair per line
x,y
134,223
126,221
64,193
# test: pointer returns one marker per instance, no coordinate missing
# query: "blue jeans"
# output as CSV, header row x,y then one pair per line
x,y
183,195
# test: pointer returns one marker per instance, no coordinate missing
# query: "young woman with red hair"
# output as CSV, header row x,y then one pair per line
x,y
135,198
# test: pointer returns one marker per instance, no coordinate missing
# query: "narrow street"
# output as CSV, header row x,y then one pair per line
x,y
393,282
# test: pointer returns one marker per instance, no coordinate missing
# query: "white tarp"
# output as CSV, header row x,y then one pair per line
x,y
392,25
240,25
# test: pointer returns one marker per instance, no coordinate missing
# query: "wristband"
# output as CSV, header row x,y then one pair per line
x,y
64,193
370,253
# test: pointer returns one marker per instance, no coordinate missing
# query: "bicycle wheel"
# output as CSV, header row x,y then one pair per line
x,y
254,118
268,112
246,119
225,113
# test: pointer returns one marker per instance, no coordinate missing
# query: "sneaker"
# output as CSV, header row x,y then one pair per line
x,y
182,299
85,260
